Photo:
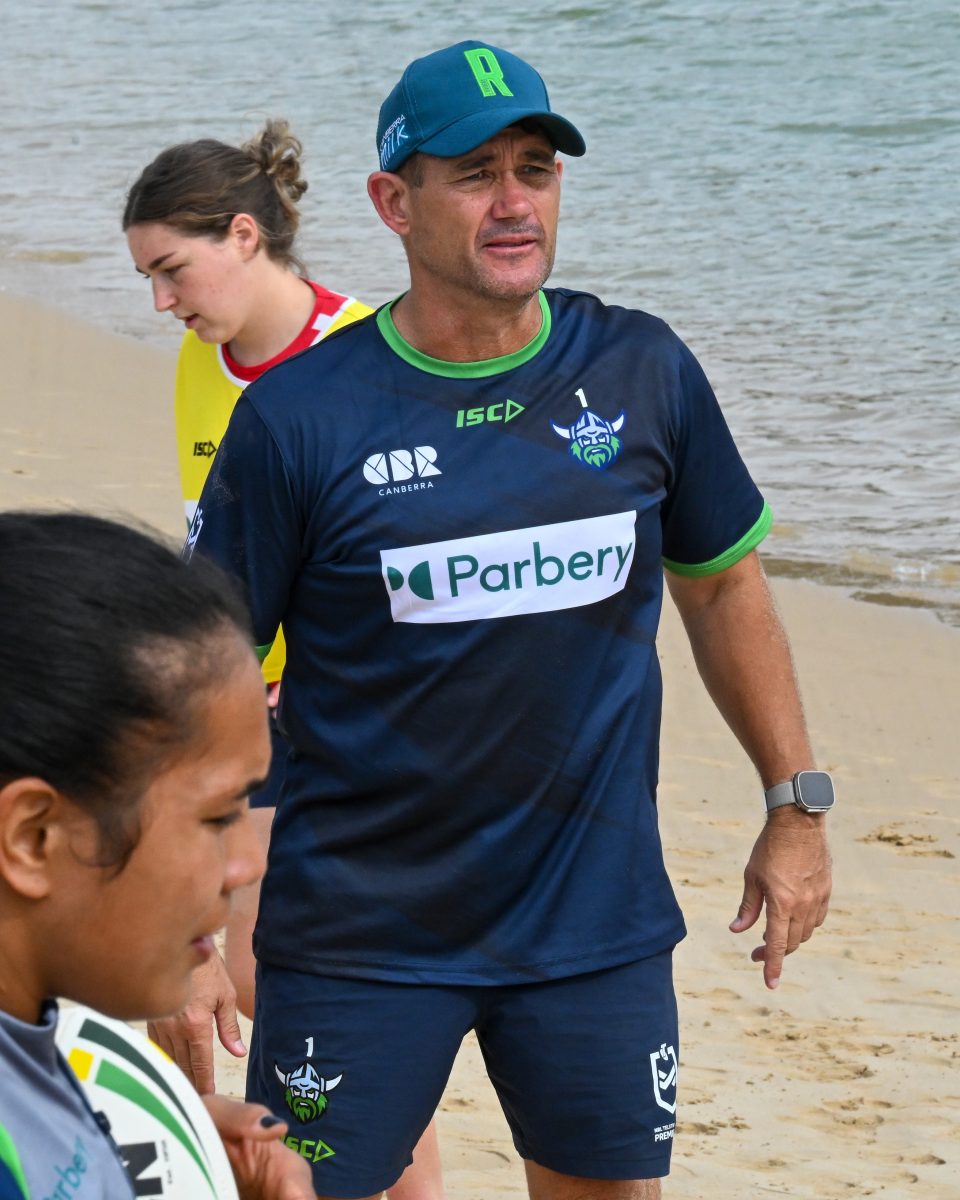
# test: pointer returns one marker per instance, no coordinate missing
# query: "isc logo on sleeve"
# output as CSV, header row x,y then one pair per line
x,y
540,569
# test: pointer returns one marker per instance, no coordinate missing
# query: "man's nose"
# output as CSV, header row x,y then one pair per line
x,y
512,197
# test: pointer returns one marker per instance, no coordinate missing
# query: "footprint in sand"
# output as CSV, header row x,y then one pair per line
x,y
719,993
475,1156
857,1114
919,845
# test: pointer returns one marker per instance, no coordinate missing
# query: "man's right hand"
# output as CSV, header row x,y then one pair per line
x,y
188,1037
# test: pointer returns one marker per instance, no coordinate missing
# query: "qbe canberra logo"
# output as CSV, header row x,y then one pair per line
x,y
540,569
392,470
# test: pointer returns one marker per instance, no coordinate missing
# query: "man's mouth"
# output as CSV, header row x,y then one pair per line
x,y
518,239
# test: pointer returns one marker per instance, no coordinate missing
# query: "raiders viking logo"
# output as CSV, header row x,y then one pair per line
x,y
593,439
305,1090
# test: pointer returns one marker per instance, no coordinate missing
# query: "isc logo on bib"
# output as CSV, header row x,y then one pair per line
x,y
540,569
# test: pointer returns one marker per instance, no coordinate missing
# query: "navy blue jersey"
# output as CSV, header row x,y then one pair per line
x,y
467,562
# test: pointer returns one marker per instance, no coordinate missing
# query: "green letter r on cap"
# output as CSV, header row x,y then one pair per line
x,y
487,72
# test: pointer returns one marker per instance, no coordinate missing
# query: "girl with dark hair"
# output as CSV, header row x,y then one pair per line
x,y
132,730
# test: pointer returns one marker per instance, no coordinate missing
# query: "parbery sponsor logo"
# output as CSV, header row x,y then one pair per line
x,y
540,569
70,1175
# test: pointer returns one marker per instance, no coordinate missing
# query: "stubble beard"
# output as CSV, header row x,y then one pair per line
x,y
492,285
470,278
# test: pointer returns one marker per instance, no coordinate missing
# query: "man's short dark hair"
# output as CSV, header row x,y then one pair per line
x,y
411,170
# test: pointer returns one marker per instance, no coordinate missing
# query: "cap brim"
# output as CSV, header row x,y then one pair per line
x,y
472,131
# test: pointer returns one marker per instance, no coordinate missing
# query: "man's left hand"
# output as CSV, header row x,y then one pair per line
x,y
789,870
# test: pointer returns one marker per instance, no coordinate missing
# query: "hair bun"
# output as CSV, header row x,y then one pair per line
x,y
277,153
198,187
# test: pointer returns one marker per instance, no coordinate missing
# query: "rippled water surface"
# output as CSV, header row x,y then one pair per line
x,y
778,182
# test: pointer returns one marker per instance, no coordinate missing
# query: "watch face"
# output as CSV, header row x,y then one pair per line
x,y
814,790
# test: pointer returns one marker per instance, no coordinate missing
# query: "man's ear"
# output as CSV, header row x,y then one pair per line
x,y
389,195
31,820
245,233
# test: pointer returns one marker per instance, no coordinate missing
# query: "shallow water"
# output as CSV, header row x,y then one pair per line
x,y
777,182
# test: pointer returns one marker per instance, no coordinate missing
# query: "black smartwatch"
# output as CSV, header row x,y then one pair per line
x,y
811,791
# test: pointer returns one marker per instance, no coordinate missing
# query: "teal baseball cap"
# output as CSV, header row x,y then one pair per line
x,y
451,101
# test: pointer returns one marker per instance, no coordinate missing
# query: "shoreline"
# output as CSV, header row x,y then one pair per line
x,y
841,1083
869,579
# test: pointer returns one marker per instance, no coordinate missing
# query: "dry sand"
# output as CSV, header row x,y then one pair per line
x,y
843,1083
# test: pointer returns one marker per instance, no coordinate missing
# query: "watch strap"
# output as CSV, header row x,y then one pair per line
x,y
780,794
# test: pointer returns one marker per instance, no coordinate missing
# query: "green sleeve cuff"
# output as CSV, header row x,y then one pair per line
x,y
750,540
263,651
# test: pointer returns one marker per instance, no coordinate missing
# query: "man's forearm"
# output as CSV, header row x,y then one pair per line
x,y
744,659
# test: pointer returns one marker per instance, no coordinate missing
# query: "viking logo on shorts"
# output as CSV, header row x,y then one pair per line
x,y
306,1090
593,439
663,1064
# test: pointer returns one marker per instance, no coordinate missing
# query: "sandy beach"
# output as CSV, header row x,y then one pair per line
x,y
843,1083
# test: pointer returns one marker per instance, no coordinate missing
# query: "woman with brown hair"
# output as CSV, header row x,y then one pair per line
x,y
212,227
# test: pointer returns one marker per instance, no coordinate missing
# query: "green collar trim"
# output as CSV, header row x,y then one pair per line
x,y
462,370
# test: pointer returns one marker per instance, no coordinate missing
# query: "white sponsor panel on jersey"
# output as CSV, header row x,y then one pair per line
x,y
540,569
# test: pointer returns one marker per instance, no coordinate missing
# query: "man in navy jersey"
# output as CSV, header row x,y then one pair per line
x,y
461,508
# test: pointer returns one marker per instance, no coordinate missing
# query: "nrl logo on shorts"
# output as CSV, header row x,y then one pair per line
x,y
663,1064
192,534
306,1091
593,439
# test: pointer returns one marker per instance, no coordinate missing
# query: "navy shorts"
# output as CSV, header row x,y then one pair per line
x,y
585,1068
